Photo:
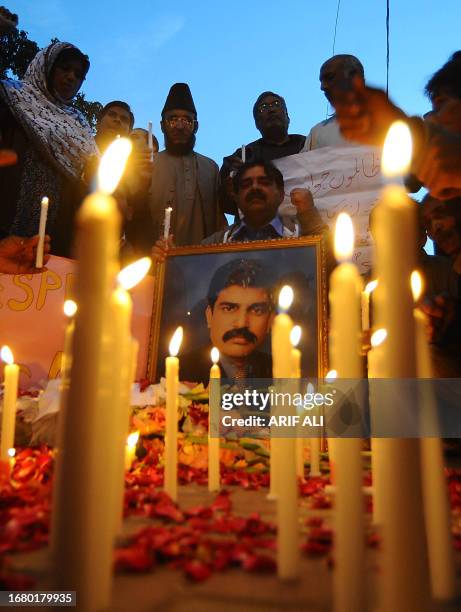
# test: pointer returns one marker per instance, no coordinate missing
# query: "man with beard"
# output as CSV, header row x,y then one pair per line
x,y
338,71
272,120
239,315
182,178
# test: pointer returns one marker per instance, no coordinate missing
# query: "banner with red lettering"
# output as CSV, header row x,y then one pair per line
x,y
32,320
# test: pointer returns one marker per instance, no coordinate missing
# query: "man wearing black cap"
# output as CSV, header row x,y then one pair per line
x,y
272,120
183,179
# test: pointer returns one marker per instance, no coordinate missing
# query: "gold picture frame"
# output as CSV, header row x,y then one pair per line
x,y
281,249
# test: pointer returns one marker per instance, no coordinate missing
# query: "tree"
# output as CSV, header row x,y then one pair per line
x,y
17,51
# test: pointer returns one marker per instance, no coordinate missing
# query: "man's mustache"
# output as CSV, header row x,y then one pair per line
x,y
241,332
255,194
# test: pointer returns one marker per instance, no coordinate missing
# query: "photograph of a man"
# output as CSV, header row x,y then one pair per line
x,y
239,315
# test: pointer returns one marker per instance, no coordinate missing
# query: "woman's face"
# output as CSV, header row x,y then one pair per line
x,y
67,77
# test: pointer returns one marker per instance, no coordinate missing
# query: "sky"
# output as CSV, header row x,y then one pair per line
x,y
230,52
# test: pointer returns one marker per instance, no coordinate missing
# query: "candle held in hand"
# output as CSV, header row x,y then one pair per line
x,y
41,233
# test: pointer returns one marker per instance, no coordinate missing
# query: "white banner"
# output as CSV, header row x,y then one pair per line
x,y
341,179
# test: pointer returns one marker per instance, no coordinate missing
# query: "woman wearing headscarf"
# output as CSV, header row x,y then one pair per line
x,y
53,142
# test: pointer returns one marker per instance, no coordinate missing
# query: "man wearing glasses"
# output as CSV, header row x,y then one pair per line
x,y
182,178
272,120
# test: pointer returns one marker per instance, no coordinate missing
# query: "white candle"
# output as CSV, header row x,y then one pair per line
x,y
295,337
88,464
405,570
171,421
167,222
243,154
286,486
10,394
130,449
366,304
213,423
435,490
349,541
150,141
41,232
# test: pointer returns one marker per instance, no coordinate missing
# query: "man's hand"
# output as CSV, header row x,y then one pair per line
x,y
302,199
440,312
160,249
440,164
364,114
140,171
8,20
17,254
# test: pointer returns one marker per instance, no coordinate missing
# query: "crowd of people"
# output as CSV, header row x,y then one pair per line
x,y
48,148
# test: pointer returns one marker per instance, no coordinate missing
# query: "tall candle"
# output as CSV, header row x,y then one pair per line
x,y
286,486
345,330
83,528
150,141
41,232
10,394
295,337
213,423
366,293
243,154
435,490
405,570
167,222
171,424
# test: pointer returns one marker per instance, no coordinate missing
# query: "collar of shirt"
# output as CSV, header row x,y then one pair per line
x,y
244,232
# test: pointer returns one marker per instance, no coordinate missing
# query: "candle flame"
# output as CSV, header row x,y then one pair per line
x,y
397,150
371,286
378,337
169,209
133,274
214,355
11,452
295,335
6,354
45,201
175,342
344,237
416,285
285,297
132,439
70,308
331,375
112,164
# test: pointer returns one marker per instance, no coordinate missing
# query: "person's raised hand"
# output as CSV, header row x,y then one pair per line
x,y
302,199
440,313
17,254
160,249
364,114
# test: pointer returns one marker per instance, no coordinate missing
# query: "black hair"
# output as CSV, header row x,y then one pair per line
x,y
271,171
154,138
242,273
123,105
350,61
264,95
447,78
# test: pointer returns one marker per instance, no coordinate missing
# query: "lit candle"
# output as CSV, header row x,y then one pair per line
x,y
281,368
286,486
405,571
370,287
243,154
295,337
167,222
171,421
10,394
213,422
436,500
150,141
84,529
345,327
11,458
130,449
41,233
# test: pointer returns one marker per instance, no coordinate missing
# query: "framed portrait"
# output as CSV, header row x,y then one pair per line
x,y
226,296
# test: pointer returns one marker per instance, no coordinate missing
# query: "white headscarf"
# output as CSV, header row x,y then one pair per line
x,y
60,132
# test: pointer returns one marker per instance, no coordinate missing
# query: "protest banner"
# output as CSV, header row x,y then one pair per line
x,y
32,321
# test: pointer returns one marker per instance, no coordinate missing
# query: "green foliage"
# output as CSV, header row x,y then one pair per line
x,y
16,53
